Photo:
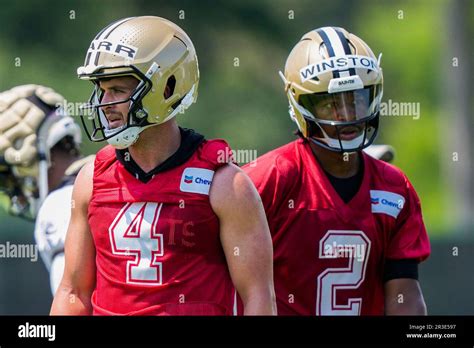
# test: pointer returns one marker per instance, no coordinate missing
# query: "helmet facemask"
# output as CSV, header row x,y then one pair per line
x,y
351,117
136,122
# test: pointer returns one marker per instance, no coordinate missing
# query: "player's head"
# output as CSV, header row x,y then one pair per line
x,y
33,127
334,86
157,62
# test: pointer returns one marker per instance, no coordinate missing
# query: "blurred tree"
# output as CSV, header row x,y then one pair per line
x,y
457,121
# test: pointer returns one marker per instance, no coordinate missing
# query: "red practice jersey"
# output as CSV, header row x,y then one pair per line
x,y
158,250
329,256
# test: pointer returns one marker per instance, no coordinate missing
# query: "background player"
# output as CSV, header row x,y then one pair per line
x,y
347,229
39,156
382,152
161,224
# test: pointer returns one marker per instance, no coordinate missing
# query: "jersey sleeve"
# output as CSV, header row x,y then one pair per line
x,y
216,152
409,240
51,227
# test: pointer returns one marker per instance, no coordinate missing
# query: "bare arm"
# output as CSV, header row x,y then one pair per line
x,y
245,238
404,297
73,296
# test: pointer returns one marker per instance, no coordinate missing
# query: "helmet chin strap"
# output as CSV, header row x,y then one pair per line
x,y
347,144
125,137
128,137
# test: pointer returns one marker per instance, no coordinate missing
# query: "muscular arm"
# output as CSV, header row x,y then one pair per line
x,y
73,296
245,238
404,297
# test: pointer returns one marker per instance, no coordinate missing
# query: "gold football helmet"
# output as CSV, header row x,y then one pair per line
x,y
332,79
156,52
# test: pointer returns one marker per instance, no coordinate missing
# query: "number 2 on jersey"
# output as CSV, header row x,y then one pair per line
x,y
355,246
134,233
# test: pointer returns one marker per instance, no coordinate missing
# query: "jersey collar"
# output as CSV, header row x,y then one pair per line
x,y
190,141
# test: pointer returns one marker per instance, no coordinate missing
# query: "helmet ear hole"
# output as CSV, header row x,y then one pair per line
x,y
170,86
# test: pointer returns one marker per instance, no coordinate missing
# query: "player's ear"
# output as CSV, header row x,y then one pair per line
x,y
170,85
167,92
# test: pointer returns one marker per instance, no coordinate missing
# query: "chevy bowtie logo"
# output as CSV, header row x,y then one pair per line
x,y
196,180
386,202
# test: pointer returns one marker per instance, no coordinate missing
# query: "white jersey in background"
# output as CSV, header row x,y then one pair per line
x,y
52,223
50,231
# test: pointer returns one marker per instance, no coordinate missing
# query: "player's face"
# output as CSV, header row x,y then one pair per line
x,y
343,109
114,90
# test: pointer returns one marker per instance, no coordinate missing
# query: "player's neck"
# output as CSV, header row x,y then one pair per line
x,y
335,163
155,145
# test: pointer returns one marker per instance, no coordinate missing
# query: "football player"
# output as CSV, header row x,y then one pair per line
x,y
347,229
39,160
163,224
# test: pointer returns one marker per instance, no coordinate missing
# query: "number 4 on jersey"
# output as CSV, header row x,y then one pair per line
x,y
134,233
